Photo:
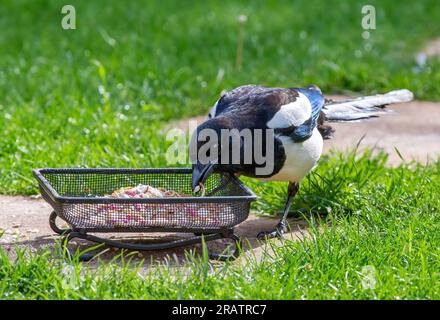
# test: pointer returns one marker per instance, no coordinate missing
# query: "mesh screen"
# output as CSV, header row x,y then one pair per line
x,y
209,214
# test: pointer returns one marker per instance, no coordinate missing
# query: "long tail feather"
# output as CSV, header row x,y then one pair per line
x,y
364,107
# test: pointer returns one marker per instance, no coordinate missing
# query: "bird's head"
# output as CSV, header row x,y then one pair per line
x,y
206,148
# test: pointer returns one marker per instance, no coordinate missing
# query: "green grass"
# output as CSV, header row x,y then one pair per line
x,y
97,96
379,240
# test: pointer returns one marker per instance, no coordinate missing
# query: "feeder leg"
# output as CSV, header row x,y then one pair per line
x,y
222,257
199,234
53,225
66,240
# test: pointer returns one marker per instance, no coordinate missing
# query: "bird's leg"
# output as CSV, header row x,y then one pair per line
x,y
281,227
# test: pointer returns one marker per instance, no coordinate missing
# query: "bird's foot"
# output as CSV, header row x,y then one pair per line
x,y
278,232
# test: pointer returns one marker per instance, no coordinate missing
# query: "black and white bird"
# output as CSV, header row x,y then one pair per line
x,y
297,118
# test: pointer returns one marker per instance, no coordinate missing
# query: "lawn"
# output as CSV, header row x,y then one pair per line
x,y
100,96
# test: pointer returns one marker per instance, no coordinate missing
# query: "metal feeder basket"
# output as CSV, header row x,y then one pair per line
x,y
78,196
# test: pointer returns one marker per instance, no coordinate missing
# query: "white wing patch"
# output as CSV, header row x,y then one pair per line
x,y
213,110
292,114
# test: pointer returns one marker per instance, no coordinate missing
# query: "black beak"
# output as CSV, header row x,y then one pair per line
x,y
200,173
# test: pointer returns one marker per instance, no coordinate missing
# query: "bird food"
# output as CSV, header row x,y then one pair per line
x,y
155,214
145,191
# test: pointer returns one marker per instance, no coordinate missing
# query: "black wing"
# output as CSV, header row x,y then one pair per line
x,y
252,106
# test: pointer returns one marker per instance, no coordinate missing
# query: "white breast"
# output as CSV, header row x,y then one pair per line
x,y
301,158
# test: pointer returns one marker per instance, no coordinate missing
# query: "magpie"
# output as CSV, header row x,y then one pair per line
x,y
297,119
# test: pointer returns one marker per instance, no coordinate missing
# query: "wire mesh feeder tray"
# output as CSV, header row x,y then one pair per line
x,y
79,197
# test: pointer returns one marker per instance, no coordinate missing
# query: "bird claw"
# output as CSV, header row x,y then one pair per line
x,y
277,233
